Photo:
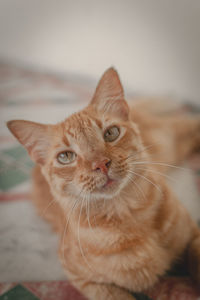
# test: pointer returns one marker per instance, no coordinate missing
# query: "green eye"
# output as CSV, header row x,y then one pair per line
x,y
66,157
111,134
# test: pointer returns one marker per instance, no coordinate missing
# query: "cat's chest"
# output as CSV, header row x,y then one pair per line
x,y
105,242
112,253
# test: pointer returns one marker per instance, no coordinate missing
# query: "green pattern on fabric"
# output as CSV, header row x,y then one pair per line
x,y
11,177
18,293
15,166
17,152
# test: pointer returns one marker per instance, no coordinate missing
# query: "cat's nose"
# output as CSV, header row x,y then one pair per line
x,y
102,165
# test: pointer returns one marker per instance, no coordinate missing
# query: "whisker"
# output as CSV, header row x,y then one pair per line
x,y
46,208
88,215
155,185
79,241
138,187
159,163
140,151
157,172
66,225
143,150
175,180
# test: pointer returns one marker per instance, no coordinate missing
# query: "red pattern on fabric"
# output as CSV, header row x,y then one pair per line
x,y
59,290
5,287
13,197
175,289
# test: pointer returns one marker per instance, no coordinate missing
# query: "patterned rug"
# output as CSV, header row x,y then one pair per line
x,y
29,266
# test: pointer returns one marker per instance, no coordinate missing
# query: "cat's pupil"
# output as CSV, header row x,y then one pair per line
x,y
108,132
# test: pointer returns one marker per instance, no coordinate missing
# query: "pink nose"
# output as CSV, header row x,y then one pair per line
x,y
102,165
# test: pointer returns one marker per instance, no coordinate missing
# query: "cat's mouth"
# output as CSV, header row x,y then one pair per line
x,y
108,185
109,182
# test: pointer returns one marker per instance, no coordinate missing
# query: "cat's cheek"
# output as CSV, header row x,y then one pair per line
x,y
57,184
45,173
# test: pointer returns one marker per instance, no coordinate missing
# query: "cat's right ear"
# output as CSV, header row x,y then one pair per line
x,y
109,96
33,136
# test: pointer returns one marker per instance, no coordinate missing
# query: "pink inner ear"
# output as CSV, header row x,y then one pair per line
x,y
33,136
116,108
124,109
38,152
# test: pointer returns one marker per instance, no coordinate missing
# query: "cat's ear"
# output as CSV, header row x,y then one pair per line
x,y
33,136
109,95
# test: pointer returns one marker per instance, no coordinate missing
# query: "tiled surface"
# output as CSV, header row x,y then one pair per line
x,y
44,291
27,245
17,293
168,289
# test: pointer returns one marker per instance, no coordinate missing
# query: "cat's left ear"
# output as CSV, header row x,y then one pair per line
x,y
35,137
109,96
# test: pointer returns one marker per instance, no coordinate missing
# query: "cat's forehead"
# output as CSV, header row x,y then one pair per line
x,y
81,128
80,123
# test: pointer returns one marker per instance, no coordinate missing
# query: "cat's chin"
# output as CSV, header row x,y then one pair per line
x,y
109,190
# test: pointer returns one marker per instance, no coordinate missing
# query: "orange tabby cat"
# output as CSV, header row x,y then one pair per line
x,y
99,174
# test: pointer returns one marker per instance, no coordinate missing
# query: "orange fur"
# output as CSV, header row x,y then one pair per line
x,y
121,226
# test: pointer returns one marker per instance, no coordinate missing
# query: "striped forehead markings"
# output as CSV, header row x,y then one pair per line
x,y
98,123
79,126
65,140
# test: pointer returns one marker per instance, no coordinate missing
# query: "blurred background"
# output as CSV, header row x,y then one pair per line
x,y
51,55
155,45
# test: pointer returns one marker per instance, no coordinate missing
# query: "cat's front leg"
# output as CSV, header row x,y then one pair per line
x,y
194,258
101,291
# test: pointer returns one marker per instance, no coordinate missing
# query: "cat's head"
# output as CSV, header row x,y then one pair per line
x,y
88,154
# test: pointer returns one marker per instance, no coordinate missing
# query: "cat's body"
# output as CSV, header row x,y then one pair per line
x,y
123,228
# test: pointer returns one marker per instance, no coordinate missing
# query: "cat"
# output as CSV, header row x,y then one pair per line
x,y
100,174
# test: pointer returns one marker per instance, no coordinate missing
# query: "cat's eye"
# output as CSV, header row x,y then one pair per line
x,y
66,157
111,134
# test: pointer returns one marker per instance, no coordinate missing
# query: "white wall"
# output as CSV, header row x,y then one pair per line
x,y
155,44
